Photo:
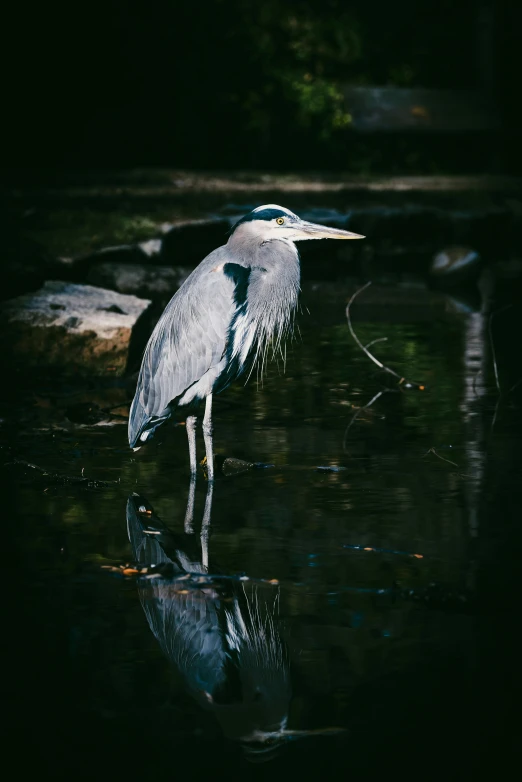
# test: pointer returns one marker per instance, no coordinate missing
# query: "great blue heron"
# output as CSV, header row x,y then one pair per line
x,y
239,300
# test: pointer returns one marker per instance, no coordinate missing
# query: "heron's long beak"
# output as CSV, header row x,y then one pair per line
x,y
315,231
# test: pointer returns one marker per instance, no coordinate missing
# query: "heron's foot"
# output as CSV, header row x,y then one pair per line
x,y
208,467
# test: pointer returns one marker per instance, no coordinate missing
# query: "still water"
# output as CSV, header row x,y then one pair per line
x,y
348,608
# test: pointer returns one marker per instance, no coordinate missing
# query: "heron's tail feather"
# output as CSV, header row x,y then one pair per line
x,y
143,426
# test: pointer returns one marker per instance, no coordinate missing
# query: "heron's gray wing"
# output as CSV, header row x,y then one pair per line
x,y
189,339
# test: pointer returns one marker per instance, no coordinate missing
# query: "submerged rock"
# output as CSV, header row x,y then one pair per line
x,y
142,252
233,466
155,282
455,264
78,329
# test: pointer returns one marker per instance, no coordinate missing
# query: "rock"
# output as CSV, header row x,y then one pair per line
x,y
232,466
85,413
154,282
456,264
144,252
190,241
26,264
185,242
78,329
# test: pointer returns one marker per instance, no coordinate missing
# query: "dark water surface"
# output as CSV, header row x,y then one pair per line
x,y
396,569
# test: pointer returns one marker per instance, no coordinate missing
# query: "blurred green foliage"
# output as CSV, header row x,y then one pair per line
x,y
295,57
303,51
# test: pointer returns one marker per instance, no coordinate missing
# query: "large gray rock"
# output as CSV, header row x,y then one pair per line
x,y
189,241
78,329
154,282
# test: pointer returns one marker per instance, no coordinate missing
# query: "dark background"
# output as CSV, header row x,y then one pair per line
x,y
235,84
240,84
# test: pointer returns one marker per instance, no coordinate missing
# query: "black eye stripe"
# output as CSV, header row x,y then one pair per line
x,y
265,214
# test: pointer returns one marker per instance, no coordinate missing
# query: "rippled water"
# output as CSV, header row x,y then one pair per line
x,y
389,533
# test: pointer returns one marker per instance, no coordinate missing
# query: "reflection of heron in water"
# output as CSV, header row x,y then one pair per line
x,y
219,633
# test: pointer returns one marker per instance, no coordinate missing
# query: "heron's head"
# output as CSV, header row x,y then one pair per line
x,y
269,222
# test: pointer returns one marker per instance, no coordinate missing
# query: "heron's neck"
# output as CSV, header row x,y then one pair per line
x,y
269,254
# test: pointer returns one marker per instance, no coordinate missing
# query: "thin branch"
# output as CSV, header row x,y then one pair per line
x,y
364,348
475,378
515,385
56,478
359,411
493,356
354,335
492,344
374,341
494,421
433,451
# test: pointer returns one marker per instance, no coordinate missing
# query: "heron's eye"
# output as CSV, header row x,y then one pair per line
x,y
280,221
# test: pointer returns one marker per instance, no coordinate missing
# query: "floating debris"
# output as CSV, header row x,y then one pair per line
x,y
377,550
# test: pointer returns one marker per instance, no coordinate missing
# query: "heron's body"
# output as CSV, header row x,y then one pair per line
x,y
230,307
238,301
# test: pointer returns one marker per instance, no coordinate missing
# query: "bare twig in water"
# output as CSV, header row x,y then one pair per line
x,y
360,410
475,378
515,385
56,478
492,344
382,551
374,342
493,355
497,405
364,348
433,451
494,361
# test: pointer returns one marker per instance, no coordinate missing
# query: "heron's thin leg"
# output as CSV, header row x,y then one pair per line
x,y
191,434
207,435
205,525
189,515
